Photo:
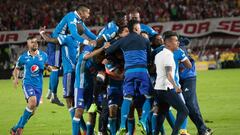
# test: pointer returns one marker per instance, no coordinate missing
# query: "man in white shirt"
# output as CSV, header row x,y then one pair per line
x,y
166,89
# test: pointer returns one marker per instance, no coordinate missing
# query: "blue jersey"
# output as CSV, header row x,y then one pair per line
x,y
69,52
109,31
179,56
151,32
84,71
69,22
186,72
33,68
136,50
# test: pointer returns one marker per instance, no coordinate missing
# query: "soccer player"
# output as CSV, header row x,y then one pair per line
x,y
188,83
114,70
33,62
166,89
83,92
69,48
68,23
136,50
111,29
134,15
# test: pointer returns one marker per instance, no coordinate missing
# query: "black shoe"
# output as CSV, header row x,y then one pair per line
x,y
56,101
12,131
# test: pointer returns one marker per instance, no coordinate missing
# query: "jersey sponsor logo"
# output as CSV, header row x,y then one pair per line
x,y
34,68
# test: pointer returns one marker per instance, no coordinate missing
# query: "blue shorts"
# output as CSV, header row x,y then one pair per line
x,y
68,84
131,79
30,91
115,95
83,98
54,55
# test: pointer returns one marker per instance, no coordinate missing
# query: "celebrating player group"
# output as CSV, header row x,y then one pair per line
x,y
126,66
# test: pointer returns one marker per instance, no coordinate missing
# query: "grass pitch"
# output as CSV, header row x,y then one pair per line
x,y
218,94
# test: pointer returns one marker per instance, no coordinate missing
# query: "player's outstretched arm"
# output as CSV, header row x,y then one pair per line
x,y
47,37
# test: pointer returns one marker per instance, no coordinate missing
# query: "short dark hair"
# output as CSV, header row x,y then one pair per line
x,y
119,15
82,7
31,37
169,34
131,24
135,10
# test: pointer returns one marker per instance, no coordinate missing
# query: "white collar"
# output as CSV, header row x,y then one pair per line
x,y
30,54
75,12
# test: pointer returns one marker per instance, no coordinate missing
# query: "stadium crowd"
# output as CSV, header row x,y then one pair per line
x,y
30,14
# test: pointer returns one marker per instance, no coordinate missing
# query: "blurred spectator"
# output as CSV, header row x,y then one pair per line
x,y
31,14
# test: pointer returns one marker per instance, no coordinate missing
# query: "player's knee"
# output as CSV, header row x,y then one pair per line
x,y
100,78
113,110
69,102
32,102
155,109
79,113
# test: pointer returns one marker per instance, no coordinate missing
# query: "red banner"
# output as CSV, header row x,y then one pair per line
x,y
197,28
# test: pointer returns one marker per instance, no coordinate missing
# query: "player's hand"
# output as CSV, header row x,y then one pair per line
x,y
106,45
93,43
49,68
105,61
42,30
178,90
15,83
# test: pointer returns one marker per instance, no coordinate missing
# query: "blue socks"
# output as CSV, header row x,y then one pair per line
x,y
90,129
113,123
53,81
184,125
75,126
145,111
72,112
154,124
24,118
125,111
83,124
170,118
131,126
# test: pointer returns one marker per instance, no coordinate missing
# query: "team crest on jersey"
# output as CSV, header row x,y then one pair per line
x,y
34,68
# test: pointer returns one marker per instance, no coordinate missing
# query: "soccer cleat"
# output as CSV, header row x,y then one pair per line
x,y
207,132
93,108
49,94
19,131
122,131
56,101
12,131
142,127
184,132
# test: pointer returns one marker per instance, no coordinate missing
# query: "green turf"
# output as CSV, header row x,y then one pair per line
x,y
218,94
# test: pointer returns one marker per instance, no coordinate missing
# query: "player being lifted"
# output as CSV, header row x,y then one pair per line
x,y
66,25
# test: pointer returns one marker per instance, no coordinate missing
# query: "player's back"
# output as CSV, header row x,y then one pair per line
x,y
109,31
135,49
62,27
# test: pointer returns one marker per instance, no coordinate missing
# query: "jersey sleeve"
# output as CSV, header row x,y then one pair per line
x,y
20,62
88,32
62,39
148,29
168,60
72,25
109,31
182,55
46,58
